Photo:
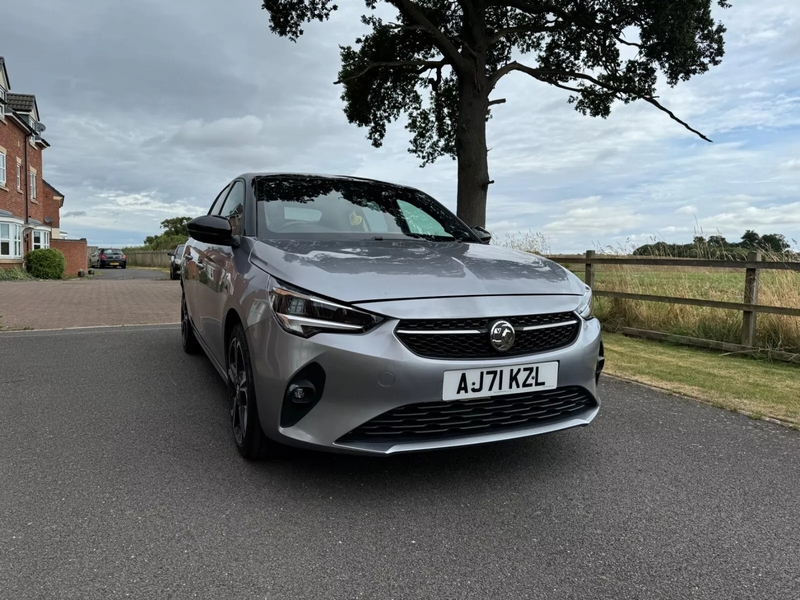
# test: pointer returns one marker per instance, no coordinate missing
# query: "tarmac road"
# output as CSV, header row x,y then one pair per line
x,y
118,478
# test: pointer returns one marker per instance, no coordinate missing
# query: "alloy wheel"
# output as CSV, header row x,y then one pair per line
x,y
184,321
237,377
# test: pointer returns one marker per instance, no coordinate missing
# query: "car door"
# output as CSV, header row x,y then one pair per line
x,y
220,272
194,274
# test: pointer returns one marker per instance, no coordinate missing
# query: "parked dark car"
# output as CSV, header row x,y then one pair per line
x,y
175,262
108,257
358,316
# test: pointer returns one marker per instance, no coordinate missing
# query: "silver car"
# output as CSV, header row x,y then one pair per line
x,y
358,316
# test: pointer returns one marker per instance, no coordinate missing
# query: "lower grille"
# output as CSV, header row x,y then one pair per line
x,y
430,421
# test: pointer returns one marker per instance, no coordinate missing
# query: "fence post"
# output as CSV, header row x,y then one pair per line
x,y
589,276
750,297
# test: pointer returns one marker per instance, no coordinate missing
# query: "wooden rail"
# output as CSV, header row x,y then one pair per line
x,y
750,307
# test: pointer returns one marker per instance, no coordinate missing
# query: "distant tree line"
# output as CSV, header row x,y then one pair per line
x,y
716,246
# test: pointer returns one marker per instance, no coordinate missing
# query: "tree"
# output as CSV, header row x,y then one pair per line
x,y
774,242
699,240
750,239
438,62
176,226
717,240
175,233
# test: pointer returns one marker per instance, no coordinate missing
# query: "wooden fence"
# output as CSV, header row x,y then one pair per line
x,y
750,307
148,258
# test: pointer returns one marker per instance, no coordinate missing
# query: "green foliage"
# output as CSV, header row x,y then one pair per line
x,y
46,263
14,274
175,234
716,246
422,62
176,226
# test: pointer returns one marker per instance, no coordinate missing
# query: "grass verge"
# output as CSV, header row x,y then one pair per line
x,y
758,388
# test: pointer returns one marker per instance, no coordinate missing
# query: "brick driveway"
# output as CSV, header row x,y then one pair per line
x,y
86,303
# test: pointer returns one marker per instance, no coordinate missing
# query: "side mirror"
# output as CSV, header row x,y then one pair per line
x,y
211,229
170,254
484,235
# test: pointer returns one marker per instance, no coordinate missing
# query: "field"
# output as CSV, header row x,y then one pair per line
x,y
777,288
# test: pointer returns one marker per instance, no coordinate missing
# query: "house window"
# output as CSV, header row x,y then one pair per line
x,y
33,185
2,168
41,239
10,240
19,177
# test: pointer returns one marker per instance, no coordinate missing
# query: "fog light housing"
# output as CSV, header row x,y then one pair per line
x,y
302,394
601,361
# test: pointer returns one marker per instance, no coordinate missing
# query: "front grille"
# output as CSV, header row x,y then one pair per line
x,y
432,421
470,337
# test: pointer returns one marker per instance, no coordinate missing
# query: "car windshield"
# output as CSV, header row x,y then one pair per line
x,y
330,208
112,251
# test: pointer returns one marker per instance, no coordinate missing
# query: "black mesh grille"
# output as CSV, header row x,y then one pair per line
x,y
446,420
476,345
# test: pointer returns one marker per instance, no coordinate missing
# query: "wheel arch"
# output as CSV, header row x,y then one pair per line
x,y
232,317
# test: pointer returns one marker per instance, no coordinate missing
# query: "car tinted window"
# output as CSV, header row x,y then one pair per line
x,y
233,207
309,207
217,204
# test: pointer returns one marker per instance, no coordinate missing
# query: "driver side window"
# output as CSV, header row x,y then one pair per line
x,y
215,206
233,207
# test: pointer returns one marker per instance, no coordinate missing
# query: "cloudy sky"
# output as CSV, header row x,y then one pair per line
x,y
152,106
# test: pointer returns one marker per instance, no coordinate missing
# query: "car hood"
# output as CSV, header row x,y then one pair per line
x,y
364,271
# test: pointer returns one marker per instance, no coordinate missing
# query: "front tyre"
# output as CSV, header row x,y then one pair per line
x,y
188,336
247,433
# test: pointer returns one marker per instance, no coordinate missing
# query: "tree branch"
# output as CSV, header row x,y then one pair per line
x,y
627,43
498,101
423,64
547,76
414,13
540,8
587,19
499,35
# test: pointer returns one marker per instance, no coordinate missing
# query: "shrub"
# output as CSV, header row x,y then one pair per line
x,y
46,263
14,274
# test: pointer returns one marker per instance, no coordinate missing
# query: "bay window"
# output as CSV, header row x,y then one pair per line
x,y
10,240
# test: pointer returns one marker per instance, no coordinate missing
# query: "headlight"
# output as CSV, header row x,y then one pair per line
x,y
302,314
585,307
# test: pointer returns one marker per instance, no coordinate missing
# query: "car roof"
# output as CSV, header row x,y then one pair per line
x,y
252,175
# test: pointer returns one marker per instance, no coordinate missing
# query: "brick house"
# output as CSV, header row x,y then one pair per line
x,y
29,206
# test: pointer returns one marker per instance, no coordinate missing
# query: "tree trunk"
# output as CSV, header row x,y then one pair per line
x,y
473,163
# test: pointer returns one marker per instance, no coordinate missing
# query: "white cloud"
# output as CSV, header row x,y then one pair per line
x,y
686,210
235,132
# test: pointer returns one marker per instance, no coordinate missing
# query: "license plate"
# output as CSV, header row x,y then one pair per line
x,y
114,264
500,381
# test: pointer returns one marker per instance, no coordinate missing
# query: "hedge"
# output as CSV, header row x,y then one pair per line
x,y
46,263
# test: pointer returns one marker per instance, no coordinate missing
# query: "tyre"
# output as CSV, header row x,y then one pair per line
x,y
188,336
247,433
125,266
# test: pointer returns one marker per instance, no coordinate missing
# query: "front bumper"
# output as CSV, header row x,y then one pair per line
x,y
370,374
